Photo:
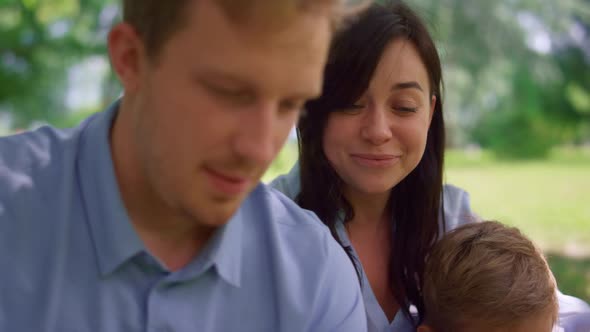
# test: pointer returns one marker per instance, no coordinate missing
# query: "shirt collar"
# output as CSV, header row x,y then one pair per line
x,y
114,238
225,250
222,253
341,229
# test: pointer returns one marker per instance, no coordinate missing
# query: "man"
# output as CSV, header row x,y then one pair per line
x,y
150,216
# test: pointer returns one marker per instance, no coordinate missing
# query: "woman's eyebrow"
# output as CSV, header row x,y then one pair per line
x,y
407,85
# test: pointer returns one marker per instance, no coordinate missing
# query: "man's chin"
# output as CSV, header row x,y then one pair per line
x,y
217,209
219,215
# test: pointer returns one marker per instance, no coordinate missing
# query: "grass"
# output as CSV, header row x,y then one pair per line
x,y
572,274
549,200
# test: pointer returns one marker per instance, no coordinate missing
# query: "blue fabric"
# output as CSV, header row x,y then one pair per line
x,y
70,259
574,314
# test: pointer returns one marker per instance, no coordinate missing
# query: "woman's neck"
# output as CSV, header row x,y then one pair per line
x,y
369,232
370,211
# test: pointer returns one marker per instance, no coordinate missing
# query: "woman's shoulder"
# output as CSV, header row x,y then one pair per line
x,y
288,184
456,207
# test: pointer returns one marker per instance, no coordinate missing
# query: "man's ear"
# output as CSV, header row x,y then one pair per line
x,y
127,54
425,328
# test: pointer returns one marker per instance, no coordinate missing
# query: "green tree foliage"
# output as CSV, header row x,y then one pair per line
x,y
541,112
503,93
500,91
39,41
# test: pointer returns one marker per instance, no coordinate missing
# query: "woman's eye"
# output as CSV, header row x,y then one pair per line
x,y
404,109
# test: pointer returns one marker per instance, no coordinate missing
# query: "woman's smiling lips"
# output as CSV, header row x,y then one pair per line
x,y
375,160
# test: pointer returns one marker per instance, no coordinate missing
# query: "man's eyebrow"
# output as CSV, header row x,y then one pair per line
x,y
220,76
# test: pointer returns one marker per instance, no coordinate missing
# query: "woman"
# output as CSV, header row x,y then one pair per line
x,y
371,156
371,159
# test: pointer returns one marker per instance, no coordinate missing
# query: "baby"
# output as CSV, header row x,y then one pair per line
x,y
487,277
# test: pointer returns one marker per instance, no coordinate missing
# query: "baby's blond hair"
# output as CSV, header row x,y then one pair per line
x,y
486,273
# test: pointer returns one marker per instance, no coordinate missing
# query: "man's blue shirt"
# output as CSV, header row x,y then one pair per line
x,y
70,259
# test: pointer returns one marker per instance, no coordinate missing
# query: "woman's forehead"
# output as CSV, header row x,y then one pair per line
x,y
400,62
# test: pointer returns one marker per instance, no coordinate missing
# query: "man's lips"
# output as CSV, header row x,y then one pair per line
x,y
228,184
375,160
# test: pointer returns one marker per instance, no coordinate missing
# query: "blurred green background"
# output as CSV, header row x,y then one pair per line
x,y
517,103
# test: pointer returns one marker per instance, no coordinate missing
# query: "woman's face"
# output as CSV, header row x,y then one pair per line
x,y
380,139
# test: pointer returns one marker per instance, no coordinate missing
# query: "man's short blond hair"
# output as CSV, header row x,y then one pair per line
x,y
489,274
157,20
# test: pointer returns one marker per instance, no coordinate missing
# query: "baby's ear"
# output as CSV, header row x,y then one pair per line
x,y
425,328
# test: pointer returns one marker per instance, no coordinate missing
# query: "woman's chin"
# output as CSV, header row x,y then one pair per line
x,y
376,190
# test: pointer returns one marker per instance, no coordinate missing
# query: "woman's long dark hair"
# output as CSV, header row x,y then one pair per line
x,y
414,202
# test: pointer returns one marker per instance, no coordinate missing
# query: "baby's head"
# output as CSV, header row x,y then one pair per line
x,y
487,277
